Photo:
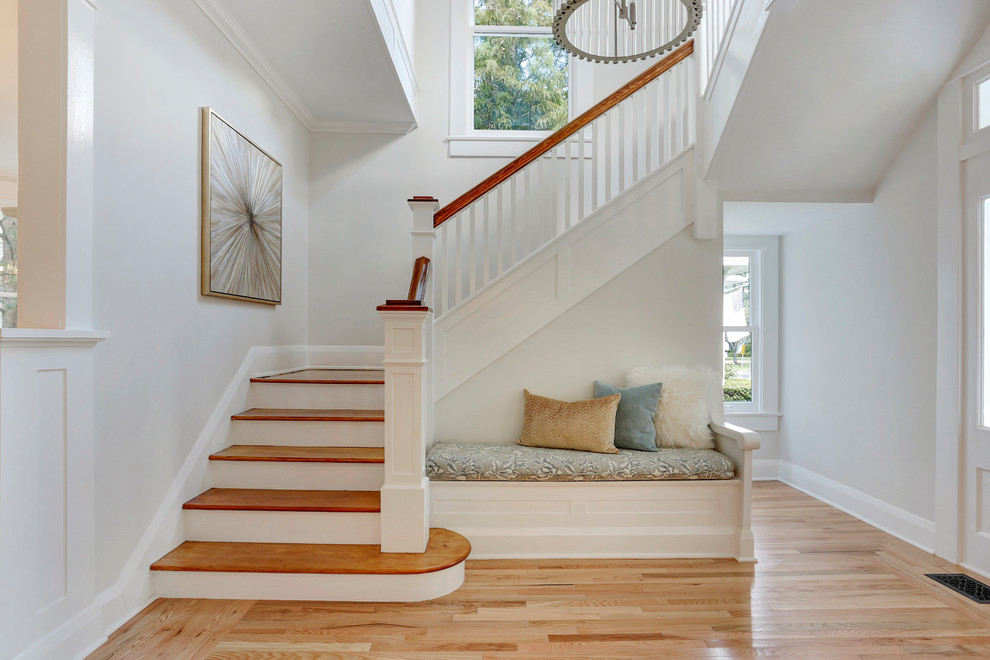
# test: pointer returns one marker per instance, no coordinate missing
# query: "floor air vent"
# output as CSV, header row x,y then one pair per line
x,y
965,585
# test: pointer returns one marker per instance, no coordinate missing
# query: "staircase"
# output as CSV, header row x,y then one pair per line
x,y
322,493
295,508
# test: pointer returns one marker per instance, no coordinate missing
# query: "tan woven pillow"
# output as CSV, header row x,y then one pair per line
x,y
583,425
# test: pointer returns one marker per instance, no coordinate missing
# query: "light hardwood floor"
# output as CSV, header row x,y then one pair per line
x,y
826,585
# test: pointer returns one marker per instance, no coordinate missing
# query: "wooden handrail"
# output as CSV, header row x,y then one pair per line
x,y
572,127
421,272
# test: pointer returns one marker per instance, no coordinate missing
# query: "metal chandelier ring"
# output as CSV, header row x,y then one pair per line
x,y
694,11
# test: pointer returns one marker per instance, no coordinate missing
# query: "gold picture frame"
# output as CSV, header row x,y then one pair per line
x,y
241,216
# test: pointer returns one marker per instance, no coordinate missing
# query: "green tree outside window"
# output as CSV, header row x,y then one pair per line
x,y
520,81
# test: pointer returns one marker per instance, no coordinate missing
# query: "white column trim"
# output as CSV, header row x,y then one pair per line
x,y
948,383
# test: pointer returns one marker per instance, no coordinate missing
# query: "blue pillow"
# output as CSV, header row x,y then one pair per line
x,y
634,427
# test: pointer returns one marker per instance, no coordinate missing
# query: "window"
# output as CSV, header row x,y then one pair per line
x,y
520,77
750,310
982,104
740,329
510,83
8,269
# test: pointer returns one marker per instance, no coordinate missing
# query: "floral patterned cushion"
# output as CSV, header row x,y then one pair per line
x,y
472,461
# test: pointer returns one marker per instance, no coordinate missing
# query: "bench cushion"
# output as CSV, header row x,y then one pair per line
x,y
472,461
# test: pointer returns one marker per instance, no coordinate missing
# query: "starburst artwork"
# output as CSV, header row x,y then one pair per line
x,y
242,216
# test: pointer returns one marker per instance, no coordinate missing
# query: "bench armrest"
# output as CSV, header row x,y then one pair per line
x,y
744,438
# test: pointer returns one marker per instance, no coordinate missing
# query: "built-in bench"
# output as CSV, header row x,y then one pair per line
x,y
475,461
514,501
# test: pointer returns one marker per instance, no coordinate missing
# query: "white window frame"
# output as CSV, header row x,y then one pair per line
x,y
760,414
975,140
463,139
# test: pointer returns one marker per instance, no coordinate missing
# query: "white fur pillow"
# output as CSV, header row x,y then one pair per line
x,y
685,407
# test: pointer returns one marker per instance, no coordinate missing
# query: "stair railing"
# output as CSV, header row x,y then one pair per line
x,y
561,180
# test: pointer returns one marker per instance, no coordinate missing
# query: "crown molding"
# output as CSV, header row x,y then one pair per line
x,y
239,39
241,42
384,127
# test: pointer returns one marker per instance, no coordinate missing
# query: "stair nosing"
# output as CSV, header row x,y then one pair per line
x,y
288,417
232,548
299,459
286,378
192,506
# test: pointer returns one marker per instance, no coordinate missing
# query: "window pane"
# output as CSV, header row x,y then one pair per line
x,y
520,83
8,271
738,366
513,12
735,291
983,105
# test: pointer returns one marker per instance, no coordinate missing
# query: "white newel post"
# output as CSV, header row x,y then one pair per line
x,y
406,491
409,403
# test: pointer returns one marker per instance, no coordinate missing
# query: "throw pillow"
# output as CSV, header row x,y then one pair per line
x,y
583,425
685,407
634,428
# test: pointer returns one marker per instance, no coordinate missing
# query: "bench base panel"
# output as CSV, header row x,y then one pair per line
x,y
657,519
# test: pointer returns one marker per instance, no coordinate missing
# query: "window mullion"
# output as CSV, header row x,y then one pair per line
x,y
513,30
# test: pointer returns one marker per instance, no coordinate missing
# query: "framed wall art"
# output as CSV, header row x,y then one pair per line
x,y
241,216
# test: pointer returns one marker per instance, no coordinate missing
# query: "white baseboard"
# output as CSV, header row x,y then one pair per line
x,y
895,521
766,469
76,638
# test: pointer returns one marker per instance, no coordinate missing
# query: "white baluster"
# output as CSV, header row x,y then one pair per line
x,y
458,260
594,164
567,183
581,174
472,249
636,134
486,258
620,119
513,214
650,123
443,300
500,219
608,155
668,119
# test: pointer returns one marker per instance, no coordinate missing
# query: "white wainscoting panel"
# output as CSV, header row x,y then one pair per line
x,y
562,273
47,516
590,519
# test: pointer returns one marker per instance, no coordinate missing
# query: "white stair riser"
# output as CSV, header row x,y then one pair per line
x,y
297,476
307,434
308,586
283,526
305,395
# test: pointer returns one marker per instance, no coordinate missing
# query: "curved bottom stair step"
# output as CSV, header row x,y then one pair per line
x,y
300,571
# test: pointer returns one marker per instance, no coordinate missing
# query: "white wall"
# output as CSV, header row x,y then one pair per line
x,y
858,339
663,310
172,351
360,248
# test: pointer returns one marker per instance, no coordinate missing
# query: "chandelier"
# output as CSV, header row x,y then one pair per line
x,y
624,30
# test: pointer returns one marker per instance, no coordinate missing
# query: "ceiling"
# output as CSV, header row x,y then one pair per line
x,y
834,91
334,63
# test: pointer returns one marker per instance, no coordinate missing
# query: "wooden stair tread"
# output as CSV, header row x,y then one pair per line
x,y
445,549
327,377
310,415
263,499
301,454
